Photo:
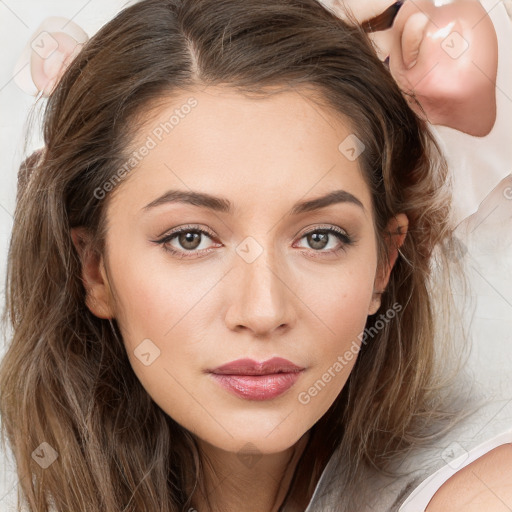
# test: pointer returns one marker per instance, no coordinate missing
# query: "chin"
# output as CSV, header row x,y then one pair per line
x,y
254,439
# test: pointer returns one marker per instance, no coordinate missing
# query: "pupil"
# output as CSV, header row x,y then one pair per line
x,y
318,238
190,238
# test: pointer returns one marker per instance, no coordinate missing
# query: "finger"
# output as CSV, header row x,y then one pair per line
x,y
412,37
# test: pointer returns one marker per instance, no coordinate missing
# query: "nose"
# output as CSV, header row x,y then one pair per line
x,y
262,298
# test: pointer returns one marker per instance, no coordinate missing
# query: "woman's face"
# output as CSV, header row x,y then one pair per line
x,y
266,279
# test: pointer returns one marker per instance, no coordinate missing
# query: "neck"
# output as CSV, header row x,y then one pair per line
x,y
246,482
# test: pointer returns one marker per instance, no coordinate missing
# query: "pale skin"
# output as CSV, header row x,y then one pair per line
x,y
483,485
442,52
215,307
303,303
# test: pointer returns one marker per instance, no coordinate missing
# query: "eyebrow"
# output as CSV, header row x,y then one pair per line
x,y
223,205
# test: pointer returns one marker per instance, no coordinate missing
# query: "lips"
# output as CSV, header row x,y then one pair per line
x,y
251,367
251,380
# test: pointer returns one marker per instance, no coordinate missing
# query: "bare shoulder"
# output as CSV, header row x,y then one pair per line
x,y
485,484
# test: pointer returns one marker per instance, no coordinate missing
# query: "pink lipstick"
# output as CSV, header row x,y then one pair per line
x,y
257,381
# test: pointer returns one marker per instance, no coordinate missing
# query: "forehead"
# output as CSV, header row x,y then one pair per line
x,y
278,148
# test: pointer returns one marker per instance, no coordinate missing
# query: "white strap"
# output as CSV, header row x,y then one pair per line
x,y
421,496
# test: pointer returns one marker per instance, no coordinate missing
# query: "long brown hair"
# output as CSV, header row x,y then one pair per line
x,y
66,379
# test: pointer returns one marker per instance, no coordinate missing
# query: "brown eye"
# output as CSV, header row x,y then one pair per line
x,y
189,240
318,239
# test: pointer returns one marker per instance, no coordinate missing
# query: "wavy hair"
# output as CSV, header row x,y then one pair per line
x,y
66,379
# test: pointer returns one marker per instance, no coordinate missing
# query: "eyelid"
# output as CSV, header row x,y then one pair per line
x,y
320,227
191,227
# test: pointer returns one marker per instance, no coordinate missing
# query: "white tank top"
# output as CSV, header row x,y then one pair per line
x,y
428,468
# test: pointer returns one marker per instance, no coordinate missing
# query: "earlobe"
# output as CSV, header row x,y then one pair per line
x,y
94,278
396,231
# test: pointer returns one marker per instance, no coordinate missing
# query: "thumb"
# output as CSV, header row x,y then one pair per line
x,y
412,37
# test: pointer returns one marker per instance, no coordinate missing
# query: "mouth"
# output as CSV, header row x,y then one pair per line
x,y
251,380
251,367
257,387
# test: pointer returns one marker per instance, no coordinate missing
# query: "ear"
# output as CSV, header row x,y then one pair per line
x,y
396,231
94,277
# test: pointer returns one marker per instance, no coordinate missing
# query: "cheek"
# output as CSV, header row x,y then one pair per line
x,y
164,314
154,297
157,308
341,297
342,312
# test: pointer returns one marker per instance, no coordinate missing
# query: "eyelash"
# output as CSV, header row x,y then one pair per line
x,y
337,232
